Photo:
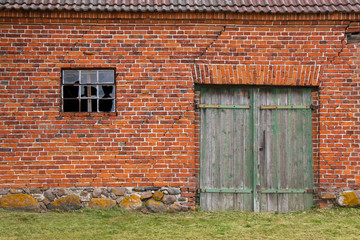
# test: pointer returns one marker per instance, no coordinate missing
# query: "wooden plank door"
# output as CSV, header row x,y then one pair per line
x,y
256,150
226,148
284,149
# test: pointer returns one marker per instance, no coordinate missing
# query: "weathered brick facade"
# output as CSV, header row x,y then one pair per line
x,y
152,139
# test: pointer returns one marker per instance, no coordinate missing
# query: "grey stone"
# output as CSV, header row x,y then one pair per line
x,y
155,206
35,191
119,200
46,201
84,194
169,199
62,192
15,191
152,188
49,195
42,206
145,210
175,207
119,191
139,189
146,195
112,196
184,208
174,191
182,199
106,193
4,191
96,193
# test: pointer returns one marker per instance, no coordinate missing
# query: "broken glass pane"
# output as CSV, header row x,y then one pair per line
x,y
84,91
88,77
93,91
106,76
84,105
94,105
71,76
106,105
70,91
106,92
71,106
88,91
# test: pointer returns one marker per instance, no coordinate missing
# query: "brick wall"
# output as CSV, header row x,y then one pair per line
x,y
152,139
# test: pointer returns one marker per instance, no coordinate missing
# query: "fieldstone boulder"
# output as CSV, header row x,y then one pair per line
x,y
119,191
49,195
4,191
139,189
19,202
118,200
68,203
85,196
349,199
62,192
146,195
175,207
15,191
106,193
33,191
155,206
42,206
131,202
101,203
174,191
158,195
169,199
152,188
96,193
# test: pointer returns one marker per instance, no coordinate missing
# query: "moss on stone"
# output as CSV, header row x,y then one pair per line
x,y
349,199
158,195
131,202
102,203
19,202
155,206
68,203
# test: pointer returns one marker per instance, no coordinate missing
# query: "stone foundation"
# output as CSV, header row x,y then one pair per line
x,y
146,199
349,198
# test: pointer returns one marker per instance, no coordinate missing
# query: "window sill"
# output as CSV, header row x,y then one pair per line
x,y
88,114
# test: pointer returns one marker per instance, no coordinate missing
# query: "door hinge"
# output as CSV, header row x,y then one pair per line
x,y
313,107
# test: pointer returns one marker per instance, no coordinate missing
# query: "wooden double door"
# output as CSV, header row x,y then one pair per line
x,y
256,149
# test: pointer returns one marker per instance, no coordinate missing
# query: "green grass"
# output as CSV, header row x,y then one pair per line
x,y
118,224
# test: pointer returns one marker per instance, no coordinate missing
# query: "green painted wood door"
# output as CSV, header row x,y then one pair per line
x,y
256,149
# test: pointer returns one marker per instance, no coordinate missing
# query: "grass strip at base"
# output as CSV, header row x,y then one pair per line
x,y
119,224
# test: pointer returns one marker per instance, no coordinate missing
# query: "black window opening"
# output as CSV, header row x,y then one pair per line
x,y
88,90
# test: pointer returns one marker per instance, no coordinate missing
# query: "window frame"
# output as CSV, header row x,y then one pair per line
x,y
89,85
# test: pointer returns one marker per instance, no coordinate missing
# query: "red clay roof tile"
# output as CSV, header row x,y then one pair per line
x,y
240,6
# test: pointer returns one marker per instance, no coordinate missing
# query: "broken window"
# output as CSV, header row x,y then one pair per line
x,y
88,90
